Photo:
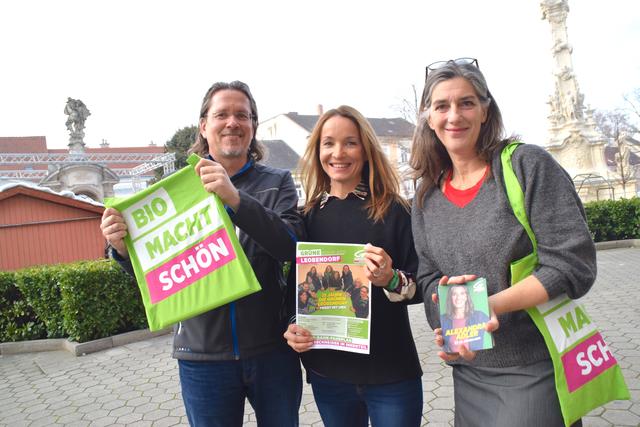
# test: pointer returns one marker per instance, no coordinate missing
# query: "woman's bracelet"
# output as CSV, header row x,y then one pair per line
x,y
393,283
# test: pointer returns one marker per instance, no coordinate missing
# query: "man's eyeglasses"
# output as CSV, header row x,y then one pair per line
x,y
460,61
223,116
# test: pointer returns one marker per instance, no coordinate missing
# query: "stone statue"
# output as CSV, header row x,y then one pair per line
x,y
78,113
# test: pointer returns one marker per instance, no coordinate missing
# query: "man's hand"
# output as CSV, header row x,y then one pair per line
x,y
114,229
215,179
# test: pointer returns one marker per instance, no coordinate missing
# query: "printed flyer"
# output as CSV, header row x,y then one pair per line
x,y
183,248
333,298
464,313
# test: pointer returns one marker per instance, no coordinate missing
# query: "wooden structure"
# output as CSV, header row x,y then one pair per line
x,y
38,226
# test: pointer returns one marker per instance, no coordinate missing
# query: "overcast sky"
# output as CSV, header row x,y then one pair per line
x,y
142,67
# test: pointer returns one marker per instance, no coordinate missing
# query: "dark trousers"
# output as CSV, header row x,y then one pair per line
x,y
352,405
214,392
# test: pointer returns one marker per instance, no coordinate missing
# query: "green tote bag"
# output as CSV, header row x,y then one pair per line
x,y
184,249
586,373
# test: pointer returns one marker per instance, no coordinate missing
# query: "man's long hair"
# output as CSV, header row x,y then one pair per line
x,y
201,146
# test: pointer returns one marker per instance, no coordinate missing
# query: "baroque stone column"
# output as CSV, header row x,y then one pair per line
x,y
573,138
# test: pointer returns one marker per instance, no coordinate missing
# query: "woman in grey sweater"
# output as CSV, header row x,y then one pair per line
x,y
464,227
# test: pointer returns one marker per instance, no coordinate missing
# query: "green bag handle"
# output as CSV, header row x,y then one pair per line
x,y
193,159
524,266
514,191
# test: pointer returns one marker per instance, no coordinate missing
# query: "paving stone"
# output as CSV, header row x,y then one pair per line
x,y
129,418
138,384
89,408
439,415
594,422
155,414
138,401
66,410
178,412
621,418
619,404
39,415
162,397
146,408
129,395
113,403
103,422
96,414
310,417
442,402
83,401
172,404
142,423
70,418
42,422
121,411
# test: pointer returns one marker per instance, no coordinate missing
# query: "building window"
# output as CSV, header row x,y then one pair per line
x,y
404,154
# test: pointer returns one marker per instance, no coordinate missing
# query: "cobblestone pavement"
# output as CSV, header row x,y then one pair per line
x,y
137,384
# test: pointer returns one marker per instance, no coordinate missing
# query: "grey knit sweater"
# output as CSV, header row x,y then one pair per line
x,y
483,237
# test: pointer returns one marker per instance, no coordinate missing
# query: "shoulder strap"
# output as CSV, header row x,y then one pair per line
x,y
514,191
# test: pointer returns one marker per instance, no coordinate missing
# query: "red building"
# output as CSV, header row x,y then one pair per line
x,y
38,226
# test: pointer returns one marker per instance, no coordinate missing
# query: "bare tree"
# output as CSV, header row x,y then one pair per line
x,y
617,126
633,104
408,108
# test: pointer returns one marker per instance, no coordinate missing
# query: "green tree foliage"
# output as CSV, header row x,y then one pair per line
x,y
180,143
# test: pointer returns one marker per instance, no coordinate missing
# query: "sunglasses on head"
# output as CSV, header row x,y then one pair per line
x,y
460,61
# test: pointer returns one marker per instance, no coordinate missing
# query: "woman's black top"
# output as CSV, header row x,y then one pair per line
x,y
393,355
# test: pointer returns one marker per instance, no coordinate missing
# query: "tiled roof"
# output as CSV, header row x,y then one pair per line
x,y
23,144
305,121
38,144
394,127
634,155
279,155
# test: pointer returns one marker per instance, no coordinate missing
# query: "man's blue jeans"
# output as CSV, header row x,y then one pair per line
x,y
351,405
214,392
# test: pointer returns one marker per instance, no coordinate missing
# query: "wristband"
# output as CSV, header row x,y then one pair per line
x,y
393,283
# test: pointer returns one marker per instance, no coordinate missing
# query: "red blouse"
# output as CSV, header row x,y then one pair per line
x,y
461,198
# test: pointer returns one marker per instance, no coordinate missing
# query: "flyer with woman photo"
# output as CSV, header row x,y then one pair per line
x,y
333,300
464,313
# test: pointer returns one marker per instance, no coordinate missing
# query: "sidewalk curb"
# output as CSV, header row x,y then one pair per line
x,y
79,349
618,244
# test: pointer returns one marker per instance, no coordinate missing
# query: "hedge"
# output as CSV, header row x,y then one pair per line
x,y
614,219
82,301
41,291
98,300
18,322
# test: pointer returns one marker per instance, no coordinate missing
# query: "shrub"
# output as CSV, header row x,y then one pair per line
x,y
614,219
98,300
83,301
41,290
18,322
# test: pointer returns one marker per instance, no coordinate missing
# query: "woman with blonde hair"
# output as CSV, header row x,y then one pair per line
x,y
353,196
